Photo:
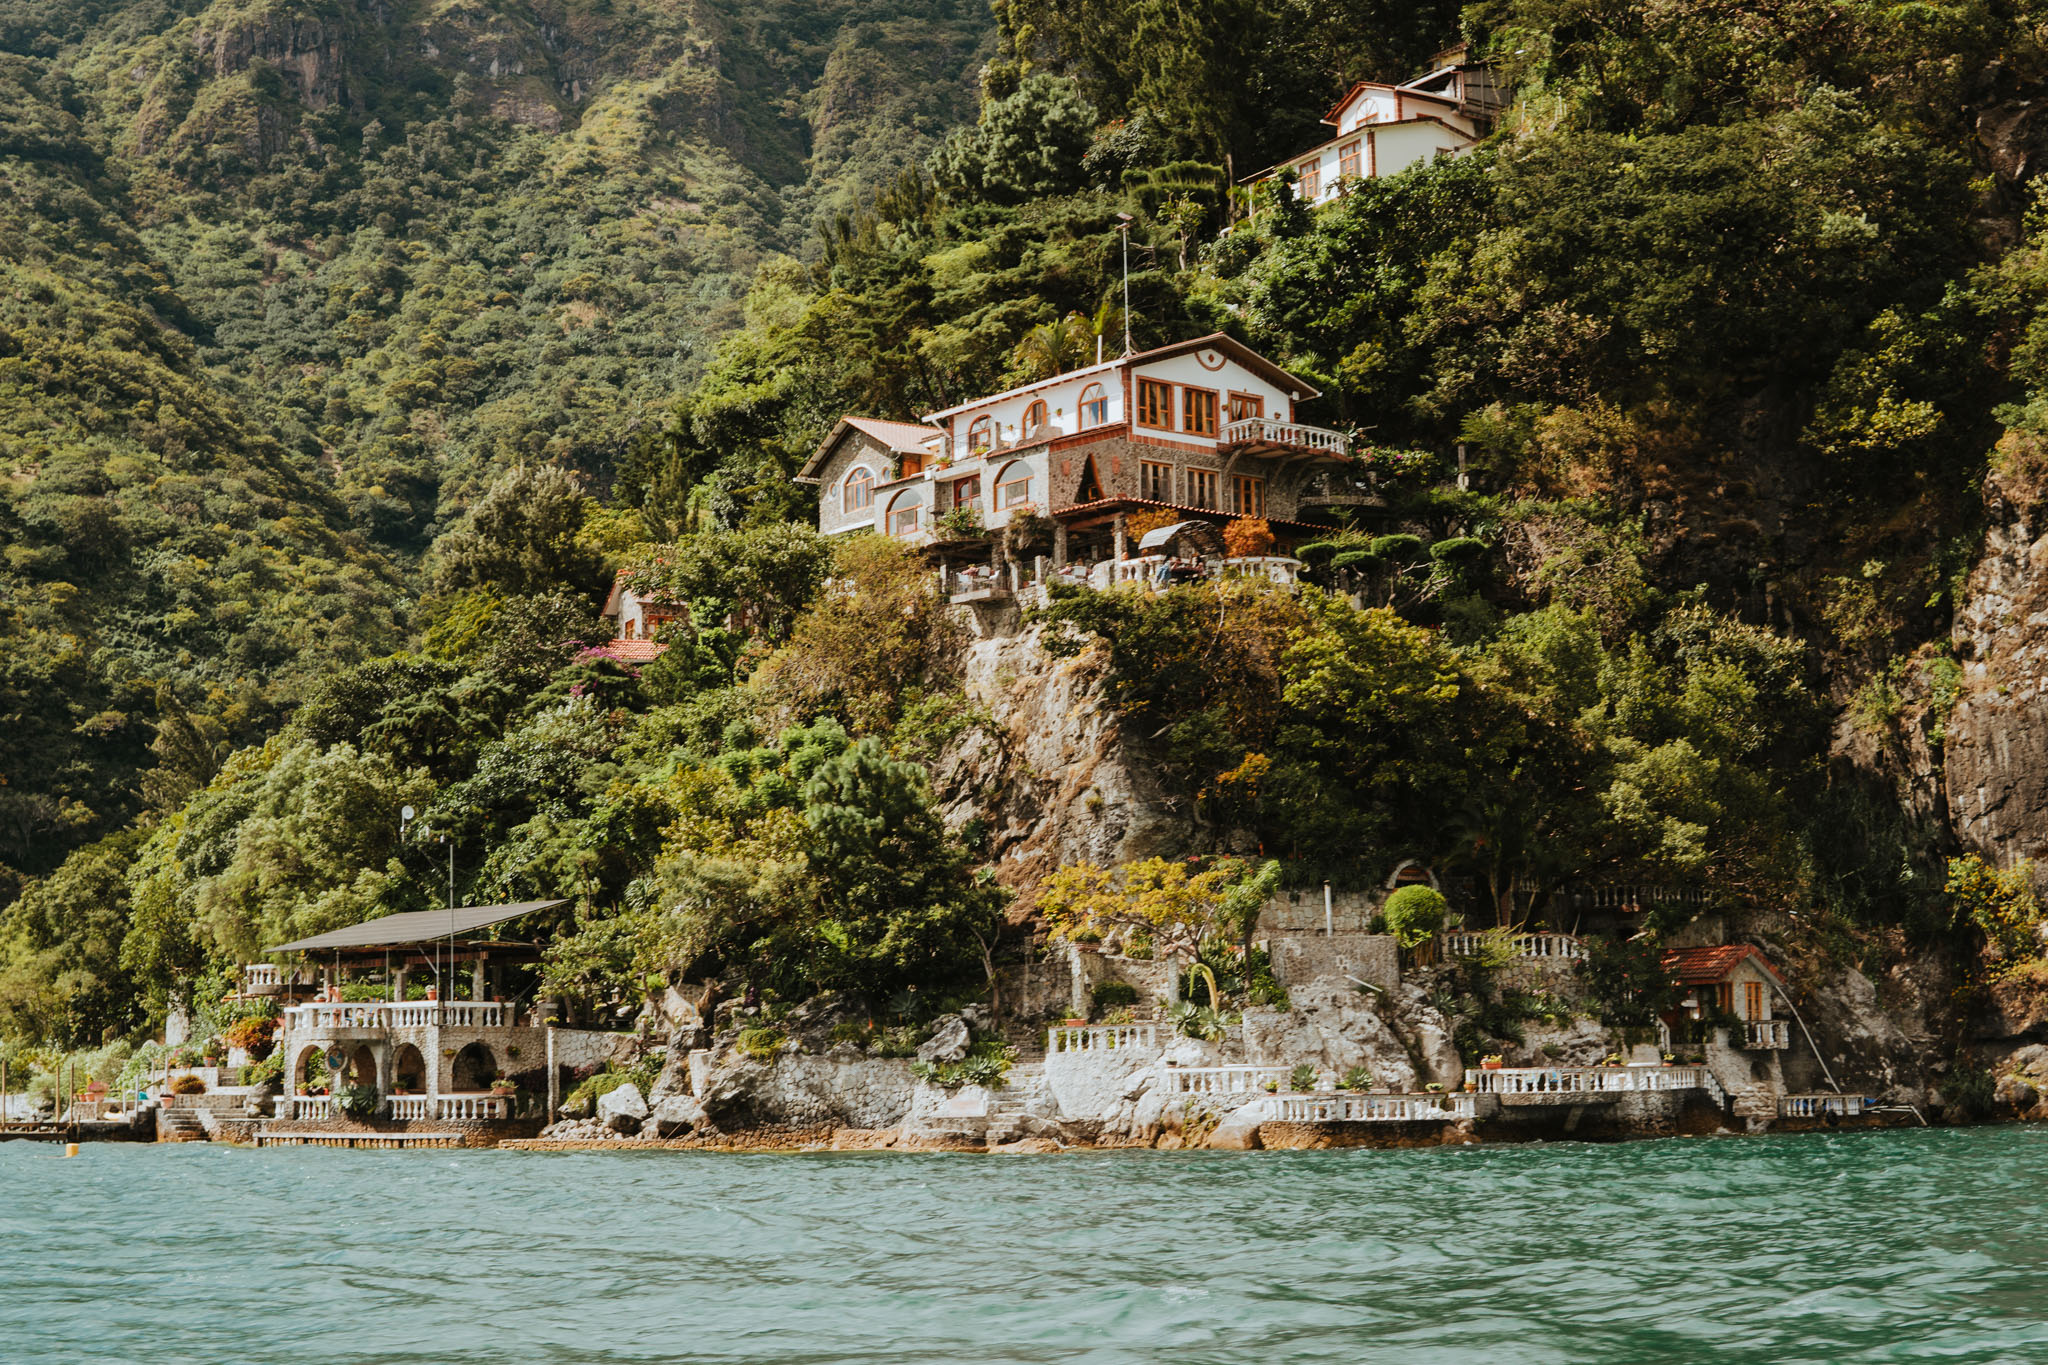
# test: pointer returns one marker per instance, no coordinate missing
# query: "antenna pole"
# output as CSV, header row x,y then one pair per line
x,y
1125,227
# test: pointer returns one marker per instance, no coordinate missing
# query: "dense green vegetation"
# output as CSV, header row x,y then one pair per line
x,y
338,375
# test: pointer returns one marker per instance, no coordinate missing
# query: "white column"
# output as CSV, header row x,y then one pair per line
x,y
554,1079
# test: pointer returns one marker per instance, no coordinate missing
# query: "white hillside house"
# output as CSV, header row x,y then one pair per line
x,y
1385,129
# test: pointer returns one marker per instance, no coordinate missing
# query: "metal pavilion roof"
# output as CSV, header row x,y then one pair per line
x,y
414,926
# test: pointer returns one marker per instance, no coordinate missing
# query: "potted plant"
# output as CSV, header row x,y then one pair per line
x,y
504,1088
1491,1062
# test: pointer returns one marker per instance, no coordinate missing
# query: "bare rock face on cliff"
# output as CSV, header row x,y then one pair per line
x,y
1997,753
1058,779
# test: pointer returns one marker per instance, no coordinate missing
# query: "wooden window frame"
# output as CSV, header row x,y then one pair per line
x,y
915,511
1309,184
846,488
1255,402
1165,407
1753,999
1100,402
1190,395
1239,483
1200,481
958,484
1162,472
1038,406
1350,156
978,424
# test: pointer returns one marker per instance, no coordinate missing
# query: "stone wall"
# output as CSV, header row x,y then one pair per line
x,y
806,1091
1301,958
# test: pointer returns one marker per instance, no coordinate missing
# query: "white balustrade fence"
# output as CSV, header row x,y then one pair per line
x,y
1286,434
1101,1038
1536,1080
409,1014
1560,947
408,1106
1331,1108
1219,1080
306,1107
256,974
472,1107
1820,1106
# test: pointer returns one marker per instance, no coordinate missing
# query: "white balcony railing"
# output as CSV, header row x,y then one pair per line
x,y
409,1014
1538,1080
305,1107
1220,1080
1102,1038
255,974
1266,431
1820,1106
1766,1034
1329,1108
1540,947
472,1107
408,1106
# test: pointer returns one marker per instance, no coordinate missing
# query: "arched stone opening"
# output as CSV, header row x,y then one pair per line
x,y
474,1069
306,1067
408,1070
361,1067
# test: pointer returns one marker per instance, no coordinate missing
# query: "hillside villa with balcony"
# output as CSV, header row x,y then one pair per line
x,y
1384,129
490,1059
1204,427
1729,982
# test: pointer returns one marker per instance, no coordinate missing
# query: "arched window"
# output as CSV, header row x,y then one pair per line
x,y
1034,417
906,513
981,433
1013,485
1094,406
860,489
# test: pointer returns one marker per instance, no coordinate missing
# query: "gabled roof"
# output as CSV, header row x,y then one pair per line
x,y
906,437
1321,147
633,651
1711,966
1404,91
1103,368
1238,351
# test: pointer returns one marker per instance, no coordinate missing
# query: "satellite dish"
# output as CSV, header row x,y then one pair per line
x,y
407,813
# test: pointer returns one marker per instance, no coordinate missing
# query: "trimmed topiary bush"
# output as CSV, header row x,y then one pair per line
x,y
1109,995
1415,915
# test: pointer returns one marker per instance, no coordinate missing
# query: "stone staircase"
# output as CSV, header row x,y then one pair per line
x,y
1023,1095
180,1125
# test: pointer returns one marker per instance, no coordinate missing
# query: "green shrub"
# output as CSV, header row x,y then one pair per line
x,y
1357,1078
1415,915
1196,1021
1627,981
1457,550
1400,548
1110,994
1302,1078
357,1101
762,1044
1969,1092
188,1085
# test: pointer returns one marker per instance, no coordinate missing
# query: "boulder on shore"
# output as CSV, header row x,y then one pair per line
x,y
622,1110
676,1116
949,1041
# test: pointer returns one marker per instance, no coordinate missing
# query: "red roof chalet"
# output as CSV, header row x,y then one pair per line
x,y
1711,966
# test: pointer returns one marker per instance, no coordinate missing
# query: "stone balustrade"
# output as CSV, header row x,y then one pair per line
x,y
305,1107
1589,1080
1820,1106
1324,1107
255,974
1219,1080
408,1106
323,1018
1540,947
472,1107
1267,431
1101,1038
1766,1035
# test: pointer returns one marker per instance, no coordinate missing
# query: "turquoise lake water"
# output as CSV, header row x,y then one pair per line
x,y
1920,1245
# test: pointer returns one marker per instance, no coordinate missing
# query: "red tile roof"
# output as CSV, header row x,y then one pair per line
x,y
904,436
633,651
1711,966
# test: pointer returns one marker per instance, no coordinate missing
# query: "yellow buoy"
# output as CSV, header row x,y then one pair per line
x,y
71,1149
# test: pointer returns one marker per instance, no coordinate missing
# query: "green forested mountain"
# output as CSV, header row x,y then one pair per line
x,y
344,352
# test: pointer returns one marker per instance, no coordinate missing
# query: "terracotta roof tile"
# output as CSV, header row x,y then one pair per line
x,y
1710,966
633,651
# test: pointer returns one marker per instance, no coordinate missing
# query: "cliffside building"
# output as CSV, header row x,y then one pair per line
x,y
1203,427
1385,129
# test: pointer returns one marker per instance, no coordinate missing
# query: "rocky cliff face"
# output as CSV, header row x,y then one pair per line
x,y
1054,775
